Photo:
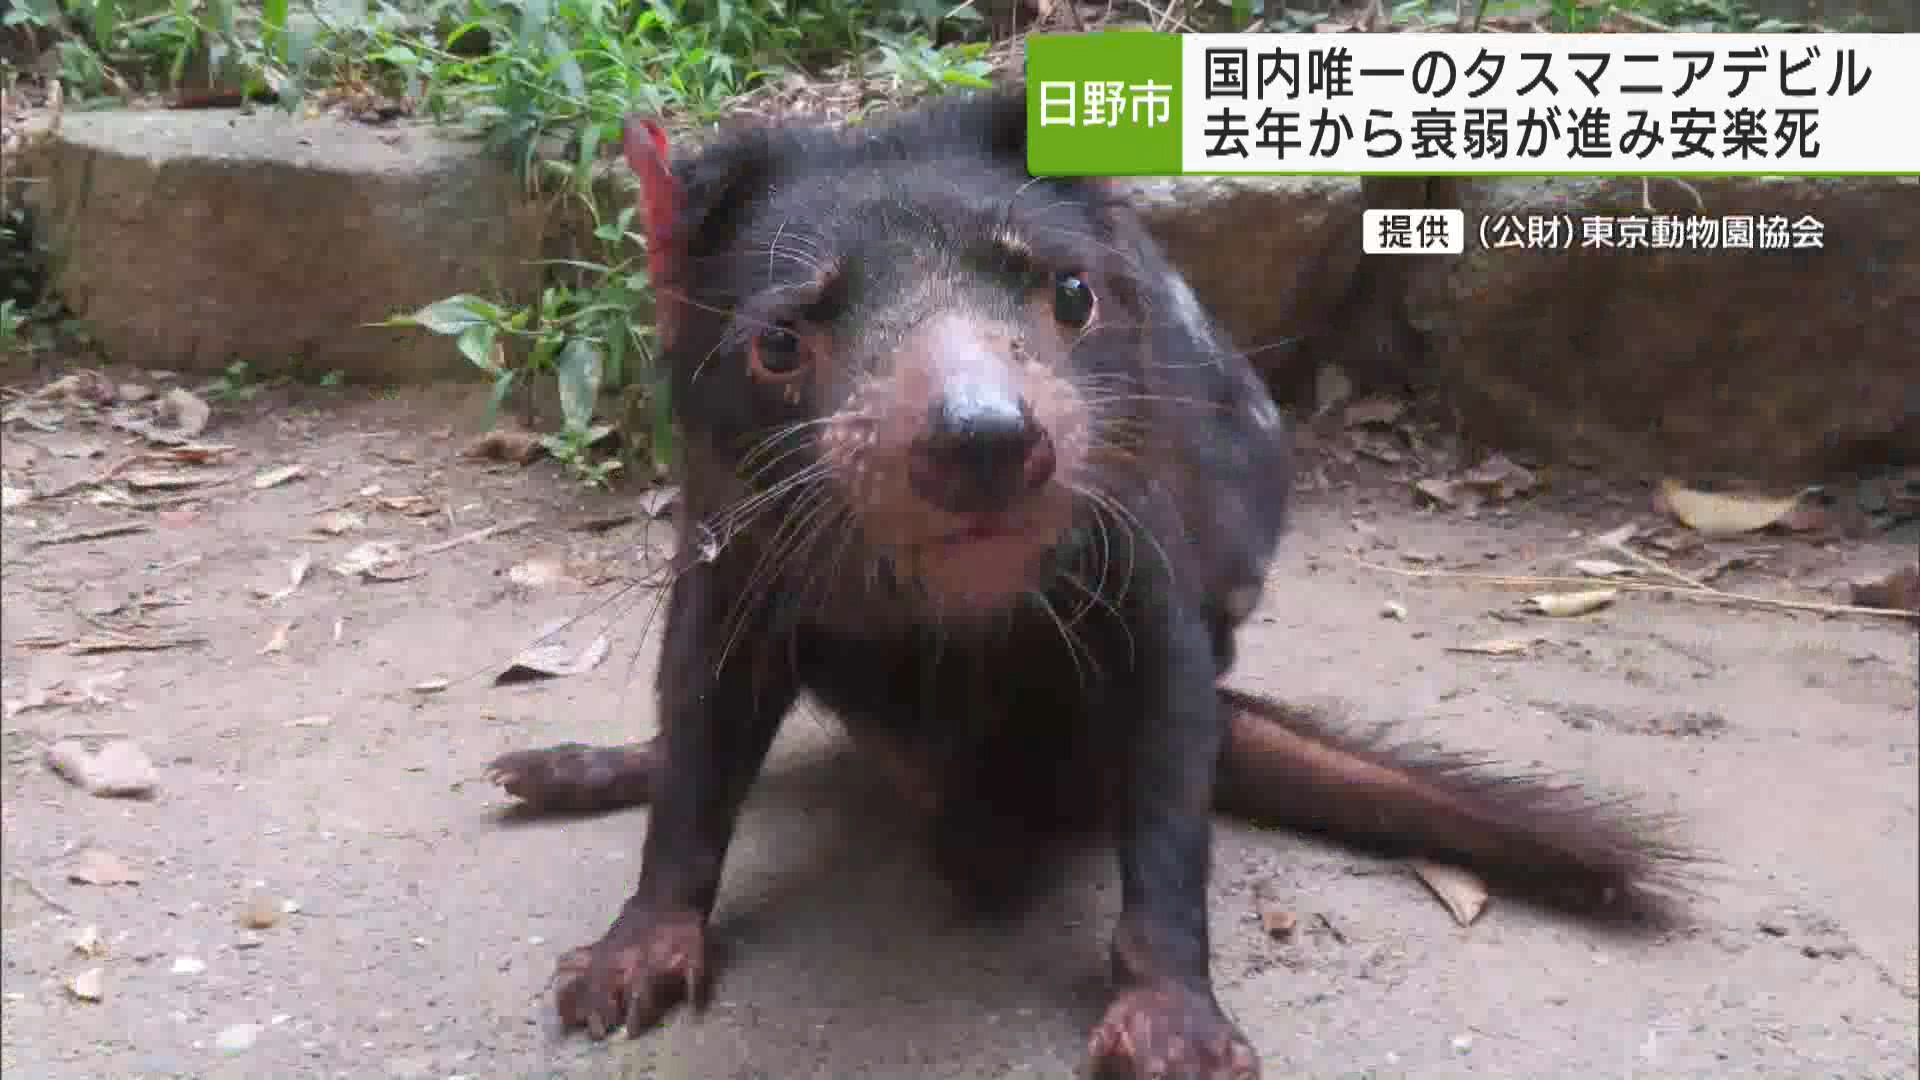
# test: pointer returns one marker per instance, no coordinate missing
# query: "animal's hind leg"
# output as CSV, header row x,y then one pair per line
x,y
576,778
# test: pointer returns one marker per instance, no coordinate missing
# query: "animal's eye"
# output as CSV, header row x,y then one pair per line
x,y
778,353
1072,300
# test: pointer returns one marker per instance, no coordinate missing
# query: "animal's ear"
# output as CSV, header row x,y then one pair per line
x,y
1003,114
688,211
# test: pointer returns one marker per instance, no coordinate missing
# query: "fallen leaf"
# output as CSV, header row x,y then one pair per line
x,y
96,867
92,532
553,661
87,942
120,769
276,477
411,505
1717,514
1498,646
1373,412
659,502
430,686
181,410
172,479
1462,892
89,985
311,721
1568,604
296,574
537,573
1617,537
1602,568
105,643
278,641
339,522
188,965
1499,477
197,453
392,572
1437,491
367,556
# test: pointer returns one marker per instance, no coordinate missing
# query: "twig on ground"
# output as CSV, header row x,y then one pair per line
x,y
1701,592
475,535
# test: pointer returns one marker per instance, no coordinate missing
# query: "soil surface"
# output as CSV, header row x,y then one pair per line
x,y
328,886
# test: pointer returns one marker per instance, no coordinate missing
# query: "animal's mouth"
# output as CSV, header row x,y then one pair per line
x,y
983,528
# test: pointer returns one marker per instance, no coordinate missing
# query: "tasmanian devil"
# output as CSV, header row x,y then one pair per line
x,y
965,459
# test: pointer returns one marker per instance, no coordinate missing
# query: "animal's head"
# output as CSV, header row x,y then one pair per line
x,y
898,339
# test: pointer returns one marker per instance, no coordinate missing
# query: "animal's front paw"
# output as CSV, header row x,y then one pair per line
x,y
645,966
574,777
1168,1032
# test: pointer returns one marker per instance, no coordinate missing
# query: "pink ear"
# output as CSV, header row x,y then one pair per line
x,y
645,144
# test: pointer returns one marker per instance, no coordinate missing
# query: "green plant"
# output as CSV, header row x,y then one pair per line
x,y
586,336
236,383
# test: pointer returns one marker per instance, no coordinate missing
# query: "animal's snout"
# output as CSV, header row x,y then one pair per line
x,y
982,449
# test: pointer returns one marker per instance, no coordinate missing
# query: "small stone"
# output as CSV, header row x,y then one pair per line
x,y
261,912
1279,923
238,1038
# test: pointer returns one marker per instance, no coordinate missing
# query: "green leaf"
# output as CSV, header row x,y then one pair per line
x,y
456,313
476,344
502,386
579,367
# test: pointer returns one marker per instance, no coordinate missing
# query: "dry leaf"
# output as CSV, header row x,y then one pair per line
x,y
188,965
184,412
1602,568
658,502
120,769
89,985
105,643
339,522
1715,514
1440,492
276,477
1498,646
1499,477
96,867
172,479
430,686
296,574
1462,892
277,642
1374,412
93,532
537,573
553,661
87,942
367,556
311,721
1568,604
411,505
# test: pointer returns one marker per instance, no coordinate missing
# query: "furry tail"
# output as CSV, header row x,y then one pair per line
x,y
1527,836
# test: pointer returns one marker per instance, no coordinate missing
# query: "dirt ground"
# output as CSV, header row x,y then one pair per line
x,y
413,929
